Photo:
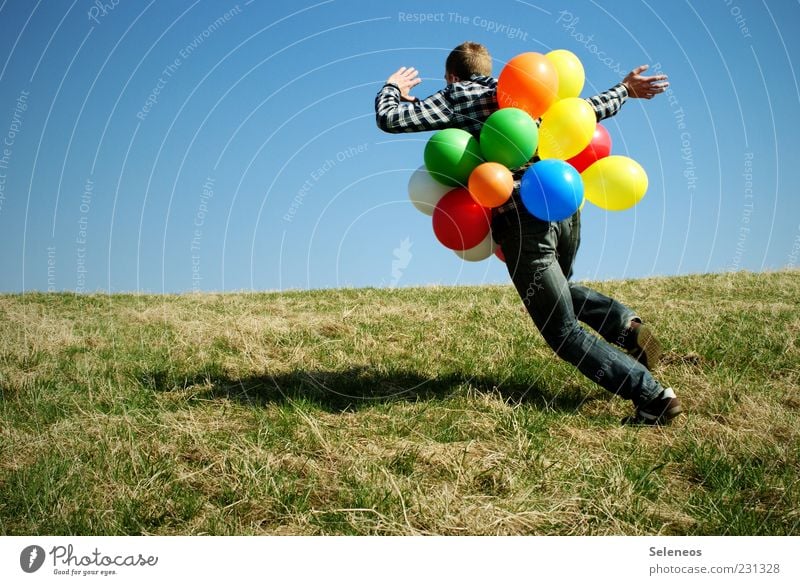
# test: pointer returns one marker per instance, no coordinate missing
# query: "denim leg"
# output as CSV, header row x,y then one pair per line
x,y
531,250
568,242
608,317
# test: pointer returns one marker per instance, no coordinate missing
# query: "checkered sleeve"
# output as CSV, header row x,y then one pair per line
x,y
609,102
392,115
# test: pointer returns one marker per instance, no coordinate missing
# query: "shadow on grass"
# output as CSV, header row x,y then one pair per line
x,y
355,388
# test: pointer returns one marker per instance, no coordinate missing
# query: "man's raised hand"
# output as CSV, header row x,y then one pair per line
x,y
640,86
405,78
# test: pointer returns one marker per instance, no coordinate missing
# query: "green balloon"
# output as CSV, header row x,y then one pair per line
x,y
509,137
451,155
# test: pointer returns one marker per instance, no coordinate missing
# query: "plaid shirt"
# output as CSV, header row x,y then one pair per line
x,y
466,105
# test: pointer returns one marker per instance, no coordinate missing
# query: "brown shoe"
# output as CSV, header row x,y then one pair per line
x,y
659,411
644,346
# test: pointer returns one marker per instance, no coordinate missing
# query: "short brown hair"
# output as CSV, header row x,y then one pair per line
x,y
469,59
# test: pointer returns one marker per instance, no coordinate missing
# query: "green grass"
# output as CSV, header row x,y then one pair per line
x,y
411,411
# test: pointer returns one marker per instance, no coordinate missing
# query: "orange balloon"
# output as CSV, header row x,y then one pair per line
x,y
528,82
491,184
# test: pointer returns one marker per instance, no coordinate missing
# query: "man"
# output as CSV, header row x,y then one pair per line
x,y
539,254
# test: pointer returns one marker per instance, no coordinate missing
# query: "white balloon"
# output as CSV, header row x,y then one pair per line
x,y
480,252
425,191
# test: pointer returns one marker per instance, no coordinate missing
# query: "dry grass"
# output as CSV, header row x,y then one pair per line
x,y
414,411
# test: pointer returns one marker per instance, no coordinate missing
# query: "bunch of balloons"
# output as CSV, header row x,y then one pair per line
x,y
464,178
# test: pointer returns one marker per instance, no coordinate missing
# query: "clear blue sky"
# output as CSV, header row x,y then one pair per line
x,y
265,112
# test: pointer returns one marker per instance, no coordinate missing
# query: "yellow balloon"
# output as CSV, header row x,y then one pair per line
x,y
614,182
566,128
570,72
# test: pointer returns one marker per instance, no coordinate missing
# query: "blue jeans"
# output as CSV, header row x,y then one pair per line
x,y
539,256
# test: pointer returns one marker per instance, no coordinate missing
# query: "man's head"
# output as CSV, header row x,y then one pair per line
x,y
467,59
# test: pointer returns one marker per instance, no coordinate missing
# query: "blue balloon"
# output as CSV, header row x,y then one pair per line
x,y
551,189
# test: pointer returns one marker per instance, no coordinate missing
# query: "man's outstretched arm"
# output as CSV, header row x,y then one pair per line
x,y
397,111
634,85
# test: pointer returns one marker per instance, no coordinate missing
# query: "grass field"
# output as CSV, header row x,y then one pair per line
x,y
408,411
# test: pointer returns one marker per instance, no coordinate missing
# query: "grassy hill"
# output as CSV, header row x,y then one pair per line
x,y
411,411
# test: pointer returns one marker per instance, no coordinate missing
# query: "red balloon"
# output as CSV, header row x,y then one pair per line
x,y
459,222
599,147
498,251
